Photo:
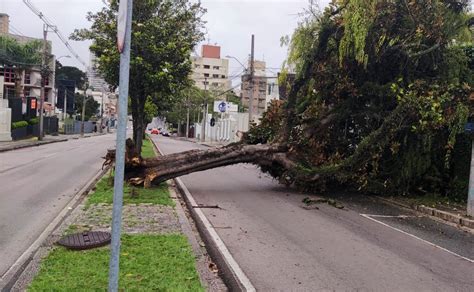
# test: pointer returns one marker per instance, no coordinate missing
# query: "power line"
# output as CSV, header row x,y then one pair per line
x,y
54,28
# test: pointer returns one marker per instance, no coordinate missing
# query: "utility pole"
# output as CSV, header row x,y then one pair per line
x,y
44,73
102,112
187,117
65,104
251,85
204,112
84,100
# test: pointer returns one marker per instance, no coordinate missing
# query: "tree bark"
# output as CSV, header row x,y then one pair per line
x,y
156,170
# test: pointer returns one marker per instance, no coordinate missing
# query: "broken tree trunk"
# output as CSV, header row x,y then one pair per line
x,y
150,171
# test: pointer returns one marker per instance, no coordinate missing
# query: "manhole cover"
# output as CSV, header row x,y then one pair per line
x,y
85,240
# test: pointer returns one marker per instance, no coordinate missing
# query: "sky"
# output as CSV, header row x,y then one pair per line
x,y
230,24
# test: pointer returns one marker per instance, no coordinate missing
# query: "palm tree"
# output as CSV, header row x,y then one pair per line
x,y
20,57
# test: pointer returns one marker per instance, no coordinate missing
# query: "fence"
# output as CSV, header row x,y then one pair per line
x,y
74,127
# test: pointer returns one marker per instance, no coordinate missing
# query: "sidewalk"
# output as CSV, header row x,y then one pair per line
x,y
450,212
48,139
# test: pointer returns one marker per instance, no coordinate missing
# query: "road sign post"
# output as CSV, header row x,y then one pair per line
x,y
123,33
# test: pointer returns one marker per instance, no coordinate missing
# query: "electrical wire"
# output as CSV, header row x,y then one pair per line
x,y
54,28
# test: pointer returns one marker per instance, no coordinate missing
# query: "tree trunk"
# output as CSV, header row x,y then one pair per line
x,y
156,170
138,117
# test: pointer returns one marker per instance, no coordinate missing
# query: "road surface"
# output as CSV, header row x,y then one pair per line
x,y
37,183
367,246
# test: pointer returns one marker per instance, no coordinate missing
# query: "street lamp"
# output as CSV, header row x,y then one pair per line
x,y
65,56
231,57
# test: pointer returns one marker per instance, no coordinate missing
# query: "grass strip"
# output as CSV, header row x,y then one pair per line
x,y
104,193
147,262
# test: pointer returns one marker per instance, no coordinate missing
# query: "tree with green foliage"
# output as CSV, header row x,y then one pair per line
x,y
91,110
164,33
71,73
379,104
20,56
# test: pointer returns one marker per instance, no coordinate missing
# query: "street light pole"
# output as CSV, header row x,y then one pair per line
x,y
43,81
85,97
251,85
205,110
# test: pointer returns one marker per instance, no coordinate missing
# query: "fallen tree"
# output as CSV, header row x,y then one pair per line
x,y
378,105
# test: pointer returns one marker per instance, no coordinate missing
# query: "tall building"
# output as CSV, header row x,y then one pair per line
x,y
210,68
259,88
95,79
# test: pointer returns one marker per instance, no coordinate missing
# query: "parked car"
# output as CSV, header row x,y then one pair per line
x,y
154,131
165,134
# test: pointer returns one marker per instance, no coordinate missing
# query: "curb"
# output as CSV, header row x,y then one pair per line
x,y
8,280
229,269
446,216
15,147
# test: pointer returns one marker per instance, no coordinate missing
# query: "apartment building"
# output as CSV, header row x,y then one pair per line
x,y
30,78
210,68
259,88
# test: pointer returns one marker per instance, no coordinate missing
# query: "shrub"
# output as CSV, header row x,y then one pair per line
x,y
19,124
33,121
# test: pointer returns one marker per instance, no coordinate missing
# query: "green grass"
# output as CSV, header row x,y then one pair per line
x,y
147,262
155,195
147,148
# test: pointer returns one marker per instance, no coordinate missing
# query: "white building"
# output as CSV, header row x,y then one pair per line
x,y
210,68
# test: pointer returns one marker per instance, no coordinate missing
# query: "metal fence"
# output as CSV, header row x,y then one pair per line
x,y
74,127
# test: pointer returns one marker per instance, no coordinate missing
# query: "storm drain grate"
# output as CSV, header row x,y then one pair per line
x,y
85,240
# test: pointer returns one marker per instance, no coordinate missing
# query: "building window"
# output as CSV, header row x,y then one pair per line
x,y
215,75
46,81
27,78
206,75
9,74
27,92
46,94
215,67
207,67
9,92
215,84
223,76
197,66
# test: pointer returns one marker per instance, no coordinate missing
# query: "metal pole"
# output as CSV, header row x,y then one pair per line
x,y
43,81
65,104
120,154
251,82
470,197
204,112
101,112
187,118
84,100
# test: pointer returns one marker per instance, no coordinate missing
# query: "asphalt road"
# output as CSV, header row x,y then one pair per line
x,y
367,246
37,183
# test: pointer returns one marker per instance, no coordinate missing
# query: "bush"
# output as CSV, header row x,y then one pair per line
x,y
19,124
33,121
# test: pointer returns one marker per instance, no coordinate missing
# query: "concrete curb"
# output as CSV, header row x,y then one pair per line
x,y
8,280
38,143
443,215
230,271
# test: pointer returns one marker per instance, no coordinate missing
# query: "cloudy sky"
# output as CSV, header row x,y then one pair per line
x,y
230,24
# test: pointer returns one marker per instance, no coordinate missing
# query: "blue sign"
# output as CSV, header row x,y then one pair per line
x,y
469,128
222,107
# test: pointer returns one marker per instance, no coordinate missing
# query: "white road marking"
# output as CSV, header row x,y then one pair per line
x,y
393,216
369,216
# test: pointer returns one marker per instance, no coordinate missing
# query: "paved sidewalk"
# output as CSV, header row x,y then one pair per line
x,y
454,213
12,145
